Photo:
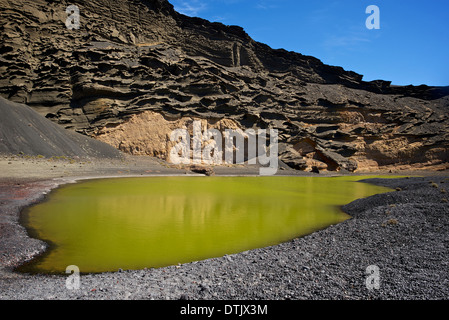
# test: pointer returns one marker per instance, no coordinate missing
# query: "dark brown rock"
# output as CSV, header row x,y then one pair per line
x,y
133,56
208,171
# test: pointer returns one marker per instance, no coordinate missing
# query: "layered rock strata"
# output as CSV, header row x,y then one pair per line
x,y
139,66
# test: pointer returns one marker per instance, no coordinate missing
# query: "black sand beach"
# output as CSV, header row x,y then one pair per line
x,y
404,233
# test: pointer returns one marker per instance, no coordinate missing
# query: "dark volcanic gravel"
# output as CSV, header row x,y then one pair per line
x,y
404,233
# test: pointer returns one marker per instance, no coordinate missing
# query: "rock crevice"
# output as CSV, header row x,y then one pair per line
x,y
132,57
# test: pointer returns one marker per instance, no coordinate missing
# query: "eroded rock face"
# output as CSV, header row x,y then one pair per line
x,y
149,133
132,60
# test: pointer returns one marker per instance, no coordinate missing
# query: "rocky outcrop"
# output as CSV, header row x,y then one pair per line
x,y
134,58
149,133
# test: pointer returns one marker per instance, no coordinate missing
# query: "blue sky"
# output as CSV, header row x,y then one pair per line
x,y
411,46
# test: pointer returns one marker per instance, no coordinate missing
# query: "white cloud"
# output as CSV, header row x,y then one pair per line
x,y
189,7
347,41
267,4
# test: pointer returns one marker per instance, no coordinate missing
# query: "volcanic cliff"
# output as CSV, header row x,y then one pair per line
x,y
137,69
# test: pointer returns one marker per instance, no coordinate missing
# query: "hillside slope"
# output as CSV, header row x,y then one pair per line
x,y
133,58
24,131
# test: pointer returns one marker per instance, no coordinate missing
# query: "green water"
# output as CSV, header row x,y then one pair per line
x,y
135,223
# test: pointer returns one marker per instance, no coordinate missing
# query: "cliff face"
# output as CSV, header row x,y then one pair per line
x,y
131,59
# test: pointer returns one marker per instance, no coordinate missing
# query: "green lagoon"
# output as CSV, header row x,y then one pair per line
x,y
134,223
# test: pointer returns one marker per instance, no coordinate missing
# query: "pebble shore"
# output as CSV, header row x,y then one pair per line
x,y
403,233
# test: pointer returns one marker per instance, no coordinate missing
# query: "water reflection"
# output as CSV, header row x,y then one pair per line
x,y
133,223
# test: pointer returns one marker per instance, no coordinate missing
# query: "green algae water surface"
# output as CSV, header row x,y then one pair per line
x,y
135,223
